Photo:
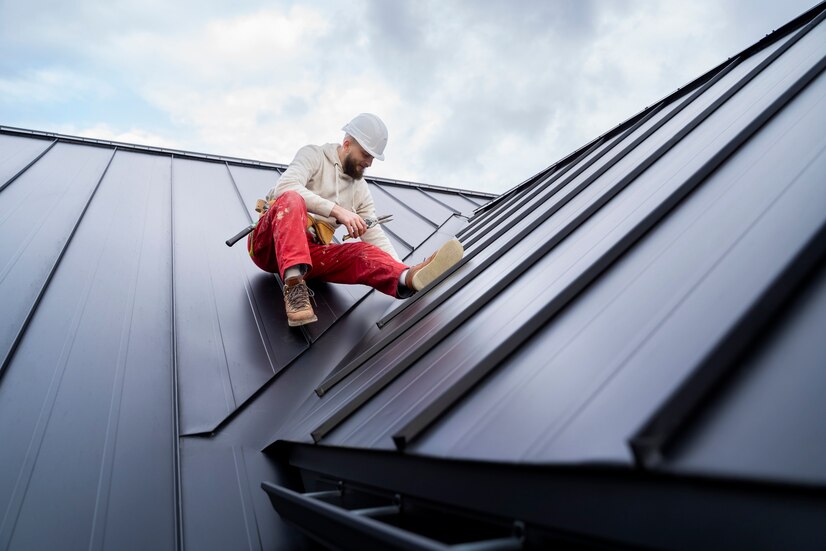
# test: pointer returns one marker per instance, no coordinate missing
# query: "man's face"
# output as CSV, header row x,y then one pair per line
x,y
356,160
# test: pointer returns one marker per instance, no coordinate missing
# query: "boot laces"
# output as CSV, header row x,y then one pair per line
x,y
298,296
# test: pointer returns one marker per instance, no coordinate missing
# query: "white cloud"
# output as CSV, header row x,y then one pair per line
x,y
256,46
475,94
646,56
50,85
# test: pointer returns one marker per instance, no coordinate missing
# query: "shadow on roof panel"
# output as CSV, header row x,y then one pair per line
x,y
290,398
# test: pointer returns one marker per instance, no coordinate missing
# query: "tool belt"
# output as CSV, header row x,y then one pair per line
x,y
321,230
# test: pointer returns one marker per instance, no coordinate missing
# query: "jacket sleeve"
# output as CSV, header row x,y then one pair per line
x,y
307,163
375,235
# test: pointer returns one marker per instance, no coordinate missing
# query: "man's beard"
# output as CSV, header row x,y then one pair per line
x,y
352,169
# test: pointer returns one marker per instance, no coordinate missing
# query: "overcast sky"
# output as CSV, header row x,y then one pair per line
x,y
476,94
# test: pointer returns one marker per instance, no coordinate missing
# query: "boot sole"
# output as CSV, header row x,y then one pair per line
x,y
446,257
299,323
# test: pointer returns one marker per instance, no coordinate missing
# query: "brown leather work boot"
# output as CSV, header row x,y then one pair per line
x,y
421,275
297,302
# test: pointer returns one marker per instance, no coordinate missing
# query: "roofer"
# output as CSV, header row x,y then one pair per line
x,y
327,182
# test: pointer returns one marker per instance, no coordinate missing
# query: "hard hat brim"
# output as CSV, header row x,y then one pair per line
x,y
369,150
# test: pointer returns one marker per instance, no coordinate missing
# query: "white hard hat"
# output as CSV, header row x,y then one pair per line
x,y
369,132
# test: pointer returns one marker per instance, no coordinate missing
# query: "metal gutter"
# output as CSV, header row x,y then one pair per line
x,y
591,504
378,527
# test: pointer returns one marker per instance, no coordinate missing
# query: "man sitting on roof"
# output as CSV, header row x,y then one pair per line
x,y
327,182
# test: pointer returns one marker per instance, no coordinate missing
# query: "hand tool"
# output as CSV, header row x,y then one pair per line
x,y
374,222
237,237
261,208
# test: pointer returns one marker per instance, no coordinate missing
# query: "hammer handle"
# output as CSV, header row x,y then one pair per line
x,y
237,237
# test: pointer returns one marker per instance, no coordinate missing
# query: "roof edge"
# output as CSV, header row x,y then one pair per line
x,y
239,161
136,147
431,187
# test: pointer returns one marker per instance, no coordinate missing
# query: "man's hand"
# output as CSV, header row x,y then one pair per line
x,y
350,220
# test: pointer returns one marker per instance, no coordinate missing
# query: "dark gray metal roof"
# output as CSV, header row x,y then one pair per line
x,y
127,324
631,347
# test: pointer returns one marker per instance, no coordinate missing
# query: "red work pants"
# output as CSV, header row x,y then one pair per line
x,y
281,240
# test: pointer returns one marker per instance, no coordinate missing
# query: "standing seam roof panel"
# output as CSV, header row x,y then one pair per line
x,y
730,438
764,250
228,344
429,210
458,202
37,214
74,395
628,312
18,154
405,224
